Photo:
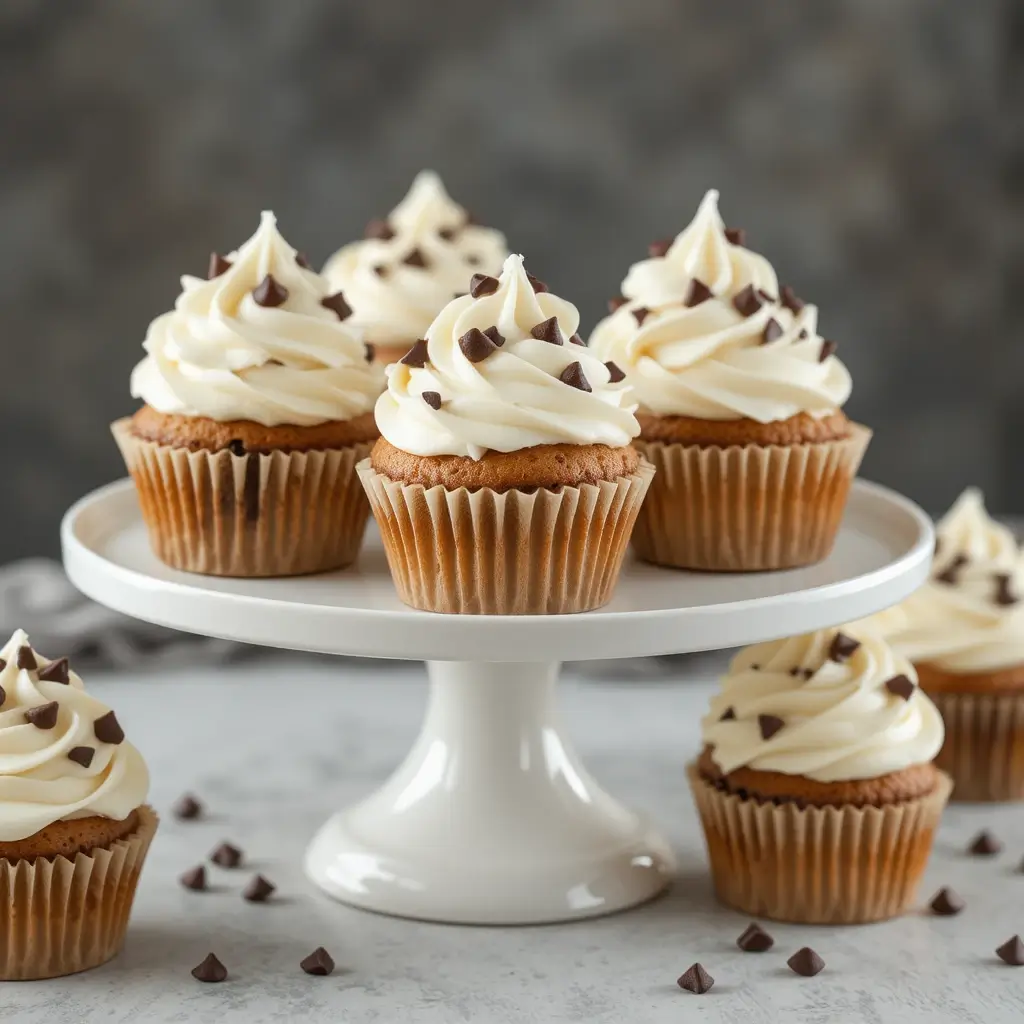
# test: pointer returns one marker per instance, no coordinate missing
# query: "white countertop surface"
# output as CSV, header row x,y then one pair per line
x,y
275,744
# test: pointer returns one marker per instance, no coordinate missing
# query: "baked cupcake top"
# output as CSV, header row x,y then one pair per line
x,y
62,753
503,369
835,705
262,339
703,330
409,266
969,617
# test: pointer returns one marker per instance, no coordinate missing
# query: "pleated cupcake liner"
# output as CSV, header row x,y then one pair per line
x,y
746,508
483,552
816,865
61,916
221,514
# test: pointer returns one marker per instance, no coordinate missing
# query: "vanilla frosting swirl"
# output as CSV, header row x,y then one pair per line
x,y
839,719
222,355
969,617
395,301
709,360
39,782
512,399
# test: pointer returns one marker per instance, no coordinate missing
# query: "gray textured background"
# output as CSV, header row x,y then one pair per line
x,y
870,148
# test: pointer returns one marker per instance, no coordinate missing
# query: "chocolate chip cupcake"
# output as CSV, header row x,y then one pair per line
x,y
74,826
740,406
504,481
259,403
815,786
411,265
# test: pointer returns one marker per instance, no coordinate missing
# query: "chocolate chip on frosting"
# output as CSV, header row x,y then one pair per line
x,y
1004,594
217,266
772,331
473,261
337,304
369,352
415,258
755,939
828,349
696,980
43,716
82,755
303,260
269,292
790,300
806,962
492,333
27,659
951,574
658,249
210,970
900,686
640,314
476,346
259,890
227,856
432,398
946,903
575,339
379,229
728,715
737,236
573,376
548,330
616,303
482,284
107,729
536,283
319,962
381,270
615,373
766,296
747,302
696,293
447,234
416,356
985,844
769,725
1011,952
842,647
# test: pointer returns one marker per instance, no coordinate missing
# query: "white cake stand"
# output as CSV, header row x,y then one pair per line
x,y
492,819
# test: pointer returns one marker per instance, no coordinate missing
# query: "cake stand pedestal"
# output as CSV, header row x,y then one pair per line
x,y
491,818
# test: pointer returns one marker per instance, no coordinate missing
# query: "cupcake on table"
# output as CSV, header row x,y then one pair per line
x,y
74,826
409,266
259,401
504,481
816,787
740,406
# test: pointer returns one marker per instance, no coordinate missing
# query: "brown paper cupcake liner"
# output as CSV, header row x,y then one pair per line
x,y
221,514
741,509
63,916
511,553
984,746
816,865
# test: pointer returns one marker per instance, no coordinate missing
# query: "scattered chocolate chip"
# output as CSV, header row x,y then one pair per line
x,y
237,447
43,716
188,808
337,304
217,266
766,296
795,670
753,668
227,856
82,755
696,293
26,659
769,725
107,729
381,270
269,292
985,844
492,333
828,349
319,962
379,229
640,314
615,373
194,879
616,303
772,331
803,334
258,890
807,673
658,249
575,339
548,330
210,970
946,903
476,346
536,283
755,940
1004,595
369,352
473,261
789,299
728,715
900,686
1012,952
737,236
574,377
416,356
951,573
747,302
696,980
303,261
842,647
805,962
482,284
415,258
432,398
447,233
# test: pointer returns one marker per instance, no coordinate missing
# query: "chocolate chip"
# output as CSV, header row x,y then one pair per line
x,y
658,249
258,890
795,670
805,962
319,962
575,339
737,236
951,573
210,970
536,283
492,333
755,940
303,261
640,314
476,346
747,302
379,229
473,261
803,334
900,686
3,695
43,716
1012,952
194,878
416,356
269,292
615,373
728,715
807,673
415,258
1004,595
946,903
548,330
369,352
107,729
188,808
842,647
381,270
337,304
574,377
696,980
447,233
696,293
753,668
616,303
766,296
432,398
217,266
227,856
769,725
828,349
27,659
82,755
482,284
772,331
789,299
985,844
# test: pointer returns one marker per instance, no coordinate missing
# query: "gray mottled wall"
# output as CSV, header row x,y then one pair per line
x,y
865,145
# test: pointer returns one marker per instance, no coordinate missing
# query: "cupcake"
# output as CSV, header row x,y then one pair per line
x,y
74,828
504,481
815,786
740,406
964,632
258,404
408,267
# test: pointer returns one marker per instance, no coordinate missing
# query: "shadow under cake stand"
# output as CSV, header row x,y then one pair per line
x,y
492,818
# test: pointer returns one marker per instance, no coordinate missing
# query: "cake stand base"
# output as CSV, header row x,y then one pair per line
x,y
491,819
